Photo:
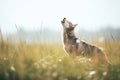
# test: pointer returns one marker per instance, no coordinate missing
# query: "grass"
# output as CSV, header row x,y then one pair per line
x,y
48,61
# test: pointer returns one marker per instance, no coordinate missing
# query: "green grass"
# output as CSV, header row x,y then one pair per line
x,y
48,61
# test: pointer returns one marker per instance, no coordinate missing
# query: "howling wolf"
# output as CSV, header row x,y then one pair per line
x,y
74,46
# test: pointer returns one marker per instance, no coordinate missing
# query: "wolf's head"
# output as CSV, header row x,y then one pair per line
x,y
68,27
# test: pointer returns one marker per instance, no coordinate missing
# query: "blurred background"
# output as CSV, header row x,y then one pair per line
x,y
39,20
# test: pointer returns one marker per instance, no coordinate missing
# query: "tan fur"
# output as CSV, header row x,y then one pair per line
x,y
74,46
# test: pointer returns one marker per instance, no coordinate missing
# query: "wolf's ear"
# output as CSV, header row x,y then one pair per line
x,y
75,25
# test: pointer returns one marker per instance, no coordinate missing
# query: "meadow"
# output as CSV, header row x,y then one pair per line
x,y
48,61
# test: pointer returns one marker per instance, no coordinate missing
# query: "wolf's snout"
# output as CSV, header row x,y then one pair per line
x,y
64,18
63,21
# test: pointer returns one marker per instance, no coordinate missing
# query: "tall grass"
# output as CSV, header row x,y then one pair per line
x,y
48,61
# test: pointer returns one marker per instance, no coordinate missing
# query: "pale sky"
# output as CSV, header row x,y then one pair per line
x,y
31,14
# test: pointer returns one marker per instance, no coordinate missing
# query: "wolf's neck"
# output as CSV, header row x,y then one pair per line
x,y
69,39
64,38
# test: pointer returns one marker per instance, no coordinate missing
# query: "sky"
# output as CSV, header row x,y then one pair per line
x,y
37,14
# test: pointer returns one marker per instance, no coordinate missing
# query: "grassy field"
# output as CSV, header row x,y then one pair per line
x,y
48,61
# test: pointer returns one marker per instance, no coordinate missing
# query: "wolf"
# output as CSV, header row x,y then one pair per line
x,y
74,46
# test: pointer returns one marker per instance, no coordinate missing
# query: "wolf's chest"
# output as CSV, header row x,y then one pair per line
x,y
71,48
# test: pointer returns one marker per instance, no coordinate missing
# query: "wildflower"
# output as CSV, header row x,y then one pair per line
x,y
12,68
59,60
4,58
92,73
54,74
104,73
